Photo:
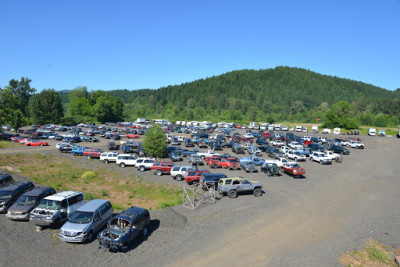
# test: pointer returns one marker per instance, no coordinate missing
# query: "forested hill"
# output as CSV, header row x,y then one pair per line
x,y
285,92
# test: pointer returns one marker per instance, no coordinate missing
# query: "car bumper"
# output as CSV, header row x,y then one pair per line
x,y
72,239
41,221
18,217
325,162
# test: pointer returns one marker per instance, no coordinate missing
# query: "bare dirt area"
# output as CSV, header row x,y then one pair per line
x,y
297,222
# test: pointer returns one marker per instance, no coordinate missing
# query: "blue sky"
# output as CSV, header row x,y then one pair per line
x,y
149,44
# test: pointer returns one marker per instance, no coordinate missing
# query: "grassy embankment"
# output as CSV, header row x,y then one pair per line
x,y
7,144
123,191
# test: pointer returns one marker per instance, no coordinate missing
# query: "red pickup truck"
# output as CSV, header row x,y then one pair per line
x,y
92,153
132,136
230,163
162,167
193,176
214,161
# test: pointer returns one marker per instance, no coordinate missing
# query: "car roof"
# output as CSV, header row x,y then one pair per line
x,y
62,195
92,205
37,191
131,213
14,186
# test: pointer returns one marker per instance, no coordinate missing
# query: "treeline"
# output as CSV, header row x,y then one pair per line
x,y
279,94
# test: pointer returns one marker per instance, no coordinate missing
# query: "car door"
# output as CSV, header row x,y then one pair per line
x,y
97,221
135,230
246,185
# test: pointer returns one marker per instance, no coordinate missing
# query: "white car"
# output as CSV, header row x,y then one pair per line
x,y
277,143
108,157
284,128
355,144
179,172
320,157
143,164
295,145
124,160
295,155
60,144
248,135
326,131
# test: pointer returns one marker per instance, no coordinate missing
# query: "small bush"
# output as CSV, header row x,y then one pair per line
x,y
89,175
377,254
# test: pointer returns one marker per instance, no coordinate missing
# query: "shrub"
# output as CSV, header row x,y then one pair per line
x,y
89,175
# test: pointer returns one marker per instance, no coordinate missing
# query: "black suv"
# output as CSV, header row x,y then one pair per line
x,y
124,228
112,146
189,143
211,180
315,147
9,194
340,150
271,169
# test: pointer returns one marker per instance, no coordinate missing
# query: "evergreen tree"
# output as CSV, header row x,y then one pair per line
x,y
155,142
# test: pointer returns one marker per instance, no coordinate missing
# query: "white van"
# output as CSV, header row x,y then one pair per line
x,y
57,208
336,131
372,131
299,128
314,129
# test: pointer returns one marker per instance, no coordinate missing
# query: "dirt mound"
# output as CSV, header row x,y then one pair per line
x,y
168,217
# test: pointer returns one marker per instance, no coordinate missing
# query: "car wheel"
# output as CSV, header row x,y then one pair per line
x,y
268,173
195,183
179,177
90,236
145,231
122,165
321,162
232,193
41,144
105,161
88,157
141,168
159,172
257,192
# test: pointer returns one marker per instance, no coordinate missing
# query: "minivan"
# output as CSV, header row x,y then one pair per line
x,y
211,180
5,179
9,194
86,221
21,209
55,209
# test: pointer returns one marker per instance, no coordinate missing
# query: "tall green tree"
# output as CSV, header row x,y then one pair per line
x,y
16,119
23,91
155,142
338,115
46,107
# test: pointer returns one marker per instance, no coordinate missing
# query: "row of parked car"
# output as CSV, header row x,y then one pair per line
x,y
80,221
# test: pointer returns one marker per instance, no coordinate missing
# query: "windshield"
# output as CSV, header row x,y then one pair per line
x,y
120,225
81,217
233,160
5,195
49,204
295,166
26,200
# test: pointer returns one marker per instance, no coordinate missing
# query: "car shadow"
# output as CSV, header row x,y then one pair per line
x,y
154,225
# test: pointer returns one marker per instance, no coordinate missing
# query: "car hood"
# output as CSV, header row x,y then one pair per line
x,y
20,208
75,227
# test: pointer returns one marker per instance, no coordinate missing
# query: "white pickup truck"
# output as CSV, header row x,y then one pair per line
x,y
279,161
355,144
295,155
320,157
209,153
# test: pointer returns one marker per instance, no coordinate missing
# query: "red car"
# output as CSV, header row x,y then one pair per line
x,y
36,143
214,161
24,140
293,168
193,176
92,153
162,167
230,163
132,136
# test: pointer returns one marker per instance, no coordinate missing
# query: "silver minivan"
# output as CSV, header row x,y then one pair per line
x,y
86,221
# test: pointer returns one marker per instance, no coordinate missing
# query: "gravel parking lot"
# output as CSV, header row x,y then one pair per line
x,y
299,222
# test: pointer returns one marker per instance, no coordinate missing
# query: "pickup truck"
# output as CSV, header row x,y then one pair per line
x,y
195,159
355,144
279,161
254,159
237,185
248,166
271,169
320,157
293,168
253,150
162,167
108,157
214,161
78,150
209,153
295,155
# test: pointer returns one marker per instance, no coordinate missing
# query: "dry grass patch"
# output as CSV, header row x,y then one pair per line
x,y
373,254
63,174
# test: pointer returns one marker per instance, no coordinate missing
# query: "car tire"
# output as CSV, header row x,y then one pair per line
x,y
122,165
89,237
141,168
232,194
105,161
268,173
257,192
179,177
159,172
88,157
195,183
41,144
321,162
145,231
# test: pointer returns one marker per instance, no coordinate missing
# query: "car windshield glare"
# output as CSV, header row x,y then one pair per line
x,y
5,195
81,217
49,204
26,200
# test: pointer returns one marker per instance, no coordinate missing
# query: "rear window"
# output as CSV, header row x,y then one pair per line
x,y
156,164
191,173
175,169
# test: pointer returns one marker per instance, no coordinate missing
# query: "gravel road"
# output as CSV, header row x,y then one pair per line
x,y
297,222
